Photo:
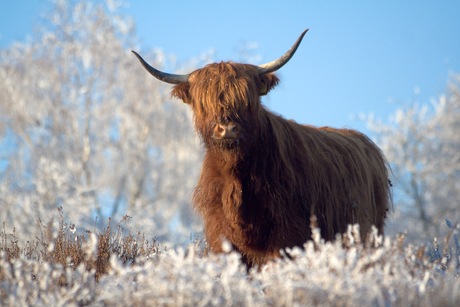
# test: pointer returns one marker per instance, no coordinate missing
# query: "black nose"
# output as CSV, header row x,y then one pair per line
x,y
226,131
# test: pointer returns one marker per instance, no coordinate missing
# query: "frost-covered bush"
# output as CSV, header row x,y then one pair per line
x,y
84,127
422,144
343,273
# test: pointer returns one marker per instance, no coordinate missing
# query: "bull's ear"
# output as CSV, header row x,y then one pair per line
x,y
181,91
267,82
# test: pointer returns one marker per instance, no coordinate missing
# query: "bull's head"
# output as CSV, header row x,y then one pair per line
x,y
225,97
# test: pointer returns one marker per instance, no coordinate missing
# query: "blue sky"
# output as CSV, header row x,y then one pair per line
x,y
358,57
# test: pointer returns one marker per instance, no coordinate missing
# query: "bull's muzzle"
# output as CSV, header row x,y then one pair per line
x,y
226,131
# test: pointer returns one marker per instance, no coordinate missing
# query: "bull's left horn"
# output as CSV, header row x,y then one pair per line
x,y
277,64
162,76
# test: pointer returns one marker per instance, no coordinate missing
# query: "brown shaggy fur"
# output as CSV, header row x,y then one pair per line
x,y
260,190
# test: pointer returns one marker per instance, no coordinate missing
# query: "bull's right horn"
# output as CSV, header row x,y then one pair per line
x,y
277,64
162,76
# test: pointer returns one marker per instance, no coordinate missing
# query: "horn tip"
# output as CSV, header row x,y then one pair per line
x,y
137,56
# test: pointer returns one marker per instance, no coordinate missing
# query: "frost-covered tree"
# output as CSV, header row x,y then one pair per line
x,y
422,144
83,126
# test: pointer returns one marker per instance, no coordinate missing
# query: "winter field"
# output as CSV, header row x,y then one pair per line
x,y
108,268
88,138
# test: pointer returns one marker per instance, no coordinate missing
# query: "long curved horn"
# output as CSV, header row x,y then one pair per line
x,y
277,64
165,77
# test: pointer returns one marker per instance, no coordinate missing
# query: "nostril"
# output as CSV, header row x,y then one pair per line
x,y
220,131
233,128
229,131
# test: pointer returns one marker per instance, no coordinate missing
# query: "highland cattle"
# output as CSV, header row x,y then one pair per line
x,y
263,177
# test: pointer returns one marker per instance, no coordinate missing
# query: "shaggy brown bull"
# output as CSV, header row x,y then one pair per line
x,y
263,176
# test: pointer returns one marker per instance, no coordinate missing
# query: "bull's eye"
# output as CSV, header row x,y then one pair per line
x,y
222,120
